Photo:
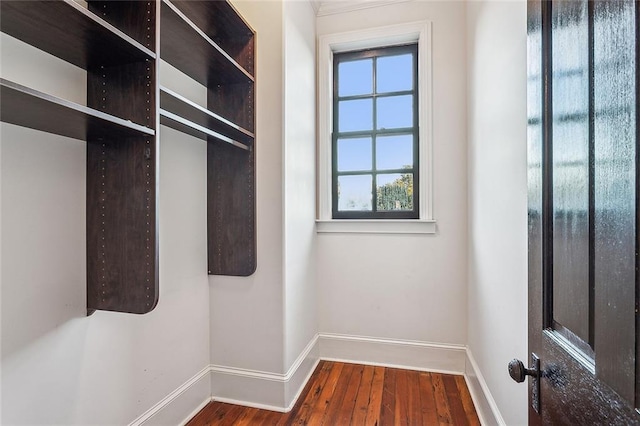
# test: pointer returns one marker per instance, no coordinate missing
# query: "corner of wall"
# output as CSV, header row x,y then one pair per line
x,y
485,405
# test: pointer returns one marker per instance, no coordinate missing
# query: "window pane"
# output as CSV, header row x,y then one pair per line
x,y
395,112
394,73
395,192
355,115
394,152
354,193
354,154
355,78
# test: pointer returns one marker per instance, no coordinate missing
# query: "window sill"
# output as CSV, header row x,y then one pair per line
x,y
376,226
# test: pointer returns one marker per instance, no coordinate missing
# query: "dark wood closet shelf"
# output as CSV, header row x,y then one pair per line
x,y
69,31
27,107
188,48
185,126
224,25
119,44
172,105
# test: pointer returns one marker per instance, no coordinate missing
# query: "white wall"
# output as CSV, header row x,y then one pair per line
x,y
247,314
264,322
301,321
409,287
59,366
496,48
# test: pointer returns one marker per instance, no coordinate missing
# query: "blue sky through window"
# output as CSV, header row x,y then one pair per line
x,y
356,77
394,152
394,73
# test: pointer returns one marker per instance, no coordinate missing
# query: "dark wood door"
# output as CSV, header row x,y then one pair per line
x,y
583,85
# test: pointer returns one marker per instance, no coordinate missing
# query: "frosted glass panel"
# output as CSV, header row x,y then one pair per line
x,y
570,100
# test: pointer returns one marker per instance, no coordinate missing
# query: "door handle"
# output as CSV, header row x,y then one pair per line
x,y
519,373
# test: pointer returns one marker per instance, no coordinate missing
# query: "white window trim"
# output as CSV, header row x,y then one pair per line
x,y
419,32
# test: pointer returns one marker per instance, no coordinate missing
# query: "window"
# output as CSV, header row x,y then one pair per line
x,y
375,134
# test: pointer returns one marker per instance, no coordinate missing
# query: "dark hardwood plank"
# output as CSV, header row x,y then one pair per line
x,y
442,405
388,407
205,415
427,400
414,409
458,415
467,402
350,394
349,400
333,409
327,393
375,399
363,398
302,411
402,398
260,418
231,415
247,416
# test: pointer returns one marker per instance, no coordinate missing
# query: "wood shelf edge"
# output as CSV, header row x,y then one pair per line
x,y
206,38
27,92
202,110
168,118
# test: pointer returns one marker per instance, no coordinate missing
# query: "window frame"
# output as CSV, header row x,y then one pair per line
x,y
416,32
374,213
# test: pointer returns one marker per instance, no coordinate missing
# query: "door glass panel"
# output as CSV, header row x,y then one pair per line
x,y
571,172
615,232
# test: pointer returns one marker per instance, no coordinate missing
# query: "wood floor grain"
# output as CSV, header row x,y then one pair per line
x,y
351,394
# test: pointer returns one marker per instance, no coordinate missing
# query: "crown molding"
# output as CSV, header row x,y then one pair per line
x,y
332,7
315,4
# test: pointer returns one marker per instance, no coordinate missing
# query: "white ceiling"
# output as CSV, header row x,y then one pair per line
x,y
330,7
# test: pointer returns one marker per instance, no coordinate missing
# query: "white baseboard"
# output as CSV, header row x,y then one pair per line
x,y
486,406
412,355
271,391
177,407
280,392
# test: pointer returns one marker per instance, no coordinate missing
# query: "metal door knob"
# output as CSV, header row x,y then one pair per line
x,y
519,372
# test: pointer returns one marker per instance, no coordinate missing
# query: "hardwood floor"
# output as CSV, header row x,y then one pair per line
x,y
353,394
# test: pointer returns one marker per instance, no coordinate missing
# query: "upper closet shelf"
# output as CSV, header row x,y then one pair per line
x,y
71,32
27,107
187,47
